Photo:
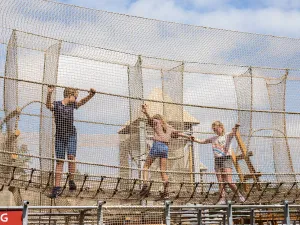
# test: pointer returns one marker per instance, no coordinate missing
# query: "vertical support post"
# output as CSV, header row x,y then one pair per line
x,y
25,213
135,90
191,155
81,217
130,117
252,217
199,217
143,145
67,220
224,219
229,213
100,213
287,220
167,212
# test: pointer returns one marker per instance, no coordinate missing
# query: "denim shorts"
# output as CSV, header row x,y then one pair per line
x,y
159,150
65,144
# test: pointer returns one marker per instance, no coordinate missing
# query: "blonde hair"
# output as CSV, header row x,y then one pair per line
x,y
69,92
163,121
218,124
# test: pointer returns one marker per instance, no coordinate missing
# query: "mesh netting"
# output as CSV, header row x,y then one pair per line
x,y
190,75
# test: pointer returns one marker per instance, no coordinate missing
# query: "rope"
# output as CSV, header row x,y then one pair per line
x,y
137,169
165,102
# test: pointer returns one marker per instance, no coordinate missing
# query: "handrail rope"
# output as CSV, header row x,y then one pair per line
x,y
159,101
172,183
194,132
137,169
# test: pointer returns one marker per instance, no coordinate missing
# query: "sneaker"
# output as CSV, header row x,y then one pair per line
x,y
56,191
72,185
144,190
222,201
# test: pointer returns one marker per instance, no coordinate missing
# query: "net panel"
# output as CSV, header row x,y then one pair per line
x,y
161,39
10,87
46,144
201,83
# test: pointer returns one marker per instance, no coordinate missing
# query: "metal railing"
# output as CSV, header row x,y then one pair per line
x,y
172,214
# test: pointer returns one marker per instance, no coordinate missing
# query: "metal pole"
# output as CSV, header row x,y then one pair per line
x,y
229,213
25,213
199,217
224,219
252,217
286,213
81,217
100,213
168,213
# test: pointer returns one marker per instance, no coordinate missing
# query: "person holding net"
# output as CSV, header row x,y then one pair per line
x,y
221,146
163,132
65,135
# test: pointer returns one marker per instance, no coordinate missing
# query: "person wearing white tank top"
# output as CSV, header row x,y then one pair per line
x,y
221,147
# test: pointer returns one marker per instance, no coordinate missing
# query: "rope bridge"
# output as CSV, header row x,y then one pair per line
x,y
191,75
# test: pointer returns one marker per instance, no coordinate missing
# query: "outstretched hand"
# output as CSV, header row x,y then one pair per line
x,y
92,91
236,127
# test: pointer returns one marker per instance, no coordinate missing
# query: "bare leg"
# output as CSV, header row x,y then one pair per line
x,y
228,179
148,163
58,172
163,168
164,176
221,184
72,166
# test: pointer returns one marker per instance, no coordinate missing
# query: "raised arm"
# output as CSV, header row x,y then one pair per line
x,y
92,92
234,130
49,104
145,111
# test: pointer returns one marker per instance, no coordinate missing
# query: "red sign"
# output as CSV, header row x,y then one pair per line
x,y
11,217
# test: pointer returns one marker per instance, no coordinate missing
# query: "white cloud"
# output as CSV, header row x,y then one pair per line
x,y
207,4
156,9
261,16
283,4
109,5
270,20
266,21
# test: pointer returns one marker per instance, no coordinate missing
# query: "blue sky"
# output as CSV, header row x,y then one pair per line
x,y
275,17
